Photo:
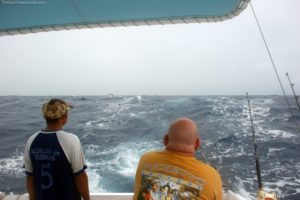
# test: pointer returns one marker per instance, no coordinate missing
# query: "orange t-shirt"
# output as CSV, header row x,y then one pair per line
x,y
172,174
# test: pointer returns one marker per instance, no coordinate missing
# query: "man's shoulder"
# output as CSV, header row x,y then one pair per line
x,y
68,140
152,153
67,135
208,167
32,137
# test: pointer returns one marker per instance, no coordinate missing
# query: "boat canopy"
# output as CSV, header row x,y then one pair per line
x,y
31,16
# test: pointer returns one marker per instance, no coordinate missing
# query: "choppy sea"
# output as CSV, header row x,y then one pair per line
x,y
116,130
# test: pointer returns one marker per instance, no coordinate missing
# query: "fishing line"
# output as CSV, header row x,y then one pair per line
x,y
273,63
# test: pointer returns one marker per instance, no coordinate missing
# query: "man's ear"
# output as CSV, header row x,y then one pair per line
x,y
166,139
197,143
64,119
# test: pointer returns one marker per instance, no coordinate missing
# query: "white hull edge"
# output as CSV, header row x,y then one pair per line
x,y
229,195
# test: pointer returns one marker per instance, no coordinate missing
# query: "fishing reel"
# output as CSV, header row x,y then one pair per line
x,y
263,195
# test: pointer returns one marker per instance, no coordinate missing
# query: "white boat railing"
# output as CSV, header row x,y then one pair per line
x,y
229,195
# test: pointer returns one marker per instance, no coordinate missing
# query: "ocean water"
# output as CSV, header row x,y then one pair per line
x,y
116,130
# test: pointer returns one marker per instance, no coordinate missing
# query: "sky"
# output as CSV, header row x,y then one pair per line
x,y
225,58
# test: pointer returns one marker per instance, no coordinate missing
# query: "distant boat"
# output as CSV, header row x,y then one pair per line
x,y
139,98
110,96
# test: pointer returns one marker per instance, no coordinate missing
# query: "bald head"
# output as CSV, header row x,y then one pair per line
x,y
182,135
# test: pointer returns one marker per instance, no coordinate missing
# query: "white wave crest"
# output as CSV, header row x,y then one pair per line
x,y
280,133
95,179
121,159
12,166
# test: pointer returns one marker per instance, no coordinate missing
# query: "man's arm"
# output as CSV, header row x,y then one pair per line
x,y
30,187
82,185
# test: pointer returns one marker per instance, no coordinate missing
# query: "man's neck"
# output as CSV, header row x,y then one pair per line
x,y
181,151
53,128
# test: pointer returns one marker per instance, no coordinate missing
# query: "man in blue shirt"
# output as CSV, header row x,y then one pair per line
x,y
54,160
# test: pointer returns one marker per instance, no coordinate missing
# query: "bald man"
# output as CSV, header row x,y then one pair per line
x,y
175,171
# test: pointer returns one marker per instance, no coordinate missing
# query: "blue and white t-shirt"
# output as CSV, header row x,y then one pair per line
x,y
54,158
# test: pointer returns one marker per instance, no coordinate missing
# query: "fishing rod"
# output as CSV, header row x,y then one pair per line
x,y
262,195
255,149
292,86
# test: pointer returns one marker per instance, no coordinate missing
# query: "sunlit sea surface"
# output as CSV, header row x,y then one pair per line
x,y
116,130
